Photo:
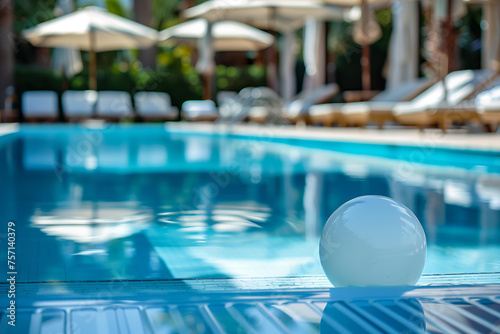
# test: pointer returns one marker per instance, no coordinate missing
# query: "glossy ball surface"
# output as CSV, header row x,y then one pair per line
x,y
373,241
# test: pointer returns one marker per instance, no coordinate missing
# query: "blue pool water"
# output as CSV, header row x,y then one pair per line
x,y
142,202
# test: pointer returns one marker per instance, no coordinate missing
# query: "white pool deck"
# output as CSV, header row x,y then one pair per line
x,y
408,137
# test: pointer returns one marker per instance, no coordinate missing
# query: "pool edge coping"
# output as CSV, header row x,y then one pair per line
x,y
407,137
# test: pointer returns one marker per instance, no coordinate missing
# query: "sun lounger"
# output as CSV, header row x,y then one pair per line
x,y
435,107
489,114
114,105
155,106
488,106
377,109
199,110
483,108
78,105
40,106
297,110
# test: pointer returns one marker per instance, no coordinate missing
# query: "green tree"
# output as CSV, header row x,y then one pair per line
x,y
115,7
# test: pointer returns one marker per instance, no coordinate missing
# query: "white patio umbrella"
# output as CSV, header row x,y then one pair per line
x,y
277,15
227,35
92,29
224,36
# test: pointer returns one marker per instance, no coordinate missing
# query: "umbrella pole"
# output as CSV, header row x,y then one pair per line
x,y
449,36
496,55
365,52
272,55
92,63
207,86
365,66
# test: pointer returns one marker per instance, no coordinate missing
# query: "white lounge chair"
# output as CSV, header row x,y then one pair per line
x,y
40,105
199,110
377,109
482,108
155,106
114,105
78,105
433,106
297,110
488,106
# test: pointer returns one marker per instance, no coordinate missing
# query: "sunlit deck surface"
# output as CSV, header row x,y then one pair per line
x,y
454,138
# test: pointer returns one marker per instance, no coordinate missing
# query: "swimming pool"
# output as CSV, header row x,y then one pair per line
x,y
148,203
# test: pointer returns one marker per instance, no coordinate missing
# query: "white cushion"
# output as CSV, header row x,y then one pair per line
x,y
368,107
79,103
199,108
402,91
325,109
305,100
39,103
154,104
459,85
114,104
490,95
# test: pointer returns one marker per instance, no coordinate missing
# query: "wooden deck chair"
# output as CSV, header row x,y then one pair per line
x,y
436,106
377,109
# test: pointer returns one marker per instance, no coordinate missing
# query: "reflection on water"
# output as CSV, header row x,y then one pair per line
x,y
220,219
148,204
91,223
373,316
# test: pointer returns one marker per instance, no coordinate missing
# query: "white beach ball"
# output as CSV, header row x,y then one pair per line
x,y
373,241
